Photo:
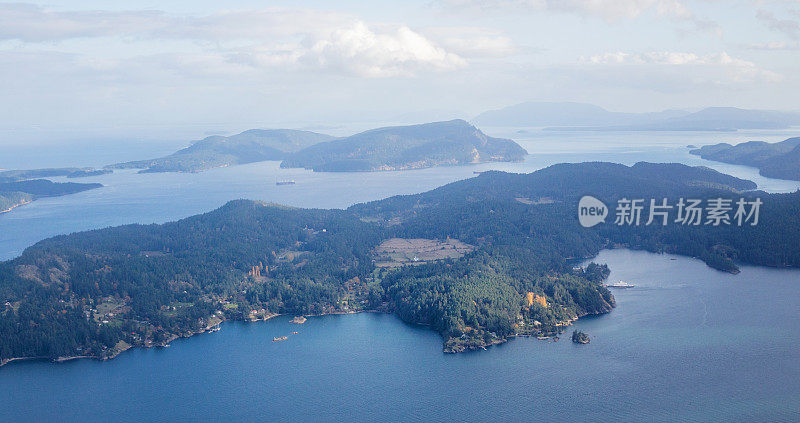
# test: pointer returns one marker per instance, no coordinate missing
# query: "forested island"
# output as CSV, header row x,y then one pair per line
x,y
407,147
250,146
15,190
479,261
389,148
580,337
774,160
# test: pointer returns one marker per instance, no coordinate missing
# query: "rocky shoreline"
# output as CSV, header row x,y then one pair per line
x,y
5,361
116,350
15,206
560,329
448,349
165,343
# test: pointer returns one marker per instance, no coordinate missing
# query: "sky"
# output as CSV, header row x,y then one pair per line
x,y
70,68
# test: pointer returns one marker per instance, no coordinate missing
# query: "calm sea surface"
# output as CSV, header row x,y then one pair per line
x,y
687,344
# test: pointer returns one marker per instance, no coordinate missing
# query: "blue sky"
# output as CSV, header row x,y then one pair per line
x,y
109,64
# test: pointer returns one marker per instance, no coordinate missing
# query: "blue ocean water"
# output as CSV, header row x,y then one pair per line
x,y
687,344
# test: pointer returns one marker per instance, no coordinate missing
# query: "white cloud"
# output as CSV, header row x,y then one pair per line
x,y
279,38
610,10
359,50
775,46
29,22
658,57
32,23
789,27
472,41
618,9
721,66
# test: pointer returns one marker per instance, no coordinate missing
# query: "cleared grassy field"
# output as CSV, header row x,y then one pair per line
x,y
395,252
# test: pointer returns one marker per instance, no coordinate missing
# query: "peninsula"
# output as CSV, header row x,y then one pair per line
x,y
469,260
15,192
774,160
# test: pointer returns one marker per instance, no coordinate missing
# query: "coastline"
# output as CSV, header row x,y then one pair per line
x,y
560,329
15,206
208,328
116,352
211,328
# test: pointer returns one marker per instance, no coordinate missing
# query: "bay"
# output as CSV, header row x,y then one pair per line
x,y
688,343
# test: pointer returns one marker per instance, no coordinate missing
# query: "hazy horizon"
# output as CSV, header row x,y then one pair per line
x,y
77,69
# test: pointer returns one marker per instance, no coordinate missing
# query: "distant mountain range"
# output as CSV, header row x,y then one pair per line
x,y
389,148
566,116
407,147
774,160
250,146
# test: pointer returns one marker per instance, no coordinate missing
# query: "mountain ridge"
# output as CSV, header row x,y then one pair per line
x,y
569,116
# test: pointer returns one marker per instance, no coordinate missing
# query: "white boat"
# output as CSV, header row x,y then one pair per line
x,y
620,284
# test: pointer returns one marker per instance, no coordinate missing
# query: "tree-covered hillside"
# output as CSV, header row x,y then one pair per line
x,y
94,293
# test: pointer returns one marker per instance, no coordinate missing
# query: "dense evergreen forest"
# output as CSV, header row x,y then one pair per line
x,y
96,293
